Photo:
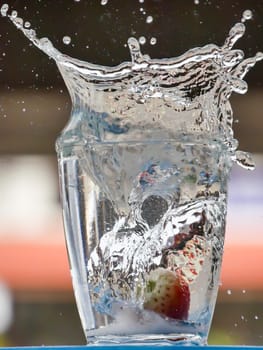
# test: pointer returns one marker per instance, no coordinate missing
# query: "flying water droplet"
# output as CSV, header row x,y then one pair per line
x,y
236,32
18,22
247,15
153,41
244,159
104,2
27,24
149,19
229,292
14,14
4,9
196,2
142,40
66,40
135,51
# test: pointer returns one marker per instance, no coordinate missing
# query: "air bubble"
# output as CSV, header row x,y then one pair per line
x,y
149,19
104,2
4,9
142,40
66,40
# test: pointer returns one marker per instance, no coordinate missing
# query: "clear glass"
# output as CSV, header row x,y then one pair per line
x,y
145,224
144,163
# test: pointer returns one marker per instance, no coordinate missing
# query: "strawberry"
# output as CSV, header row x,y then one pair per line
x,y
167,293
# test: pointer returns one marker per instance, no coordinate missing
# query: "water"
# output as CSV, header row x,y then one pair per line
x,y
146,208
195,86
144,163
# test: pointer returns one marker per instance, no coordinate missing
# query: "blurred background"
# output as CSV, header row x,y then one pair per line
x,y
37,306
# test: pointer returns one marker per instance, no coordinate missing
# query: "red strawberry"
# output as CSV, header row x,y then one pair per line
x,y
168,294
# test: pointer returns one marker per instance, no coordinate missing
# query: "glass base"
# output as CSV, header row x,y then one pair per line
x,y
148,339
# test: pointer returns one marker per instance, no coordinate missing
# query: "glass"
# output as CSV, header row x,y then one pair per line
x,y
144,202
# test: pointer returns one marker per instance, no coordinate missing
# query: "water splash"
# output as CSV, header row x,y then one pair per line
x,y
188,94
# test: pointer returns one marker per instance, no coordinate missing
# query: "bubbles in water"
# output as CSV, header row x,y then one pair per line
x,y
142,40
247,15
4,9
104,2
66,40
153,41
149,19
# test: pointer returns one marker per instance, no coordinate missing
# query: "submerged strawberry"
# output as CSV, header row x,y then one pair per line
x,y
168,294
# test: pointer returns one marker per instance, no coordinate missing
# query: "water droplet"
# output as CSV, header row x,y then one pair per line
x,y
141,1
236,32
229,292
247,15
27,24
66,40
256,317
4,9
142,40
244,291
18,22
153,41
196,2
135,51
242,317
245,160
23,109
14,14
149,19
104,2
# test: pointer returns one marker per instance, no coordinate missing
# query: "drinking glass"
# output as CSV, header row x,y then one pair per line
x,y
144,203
